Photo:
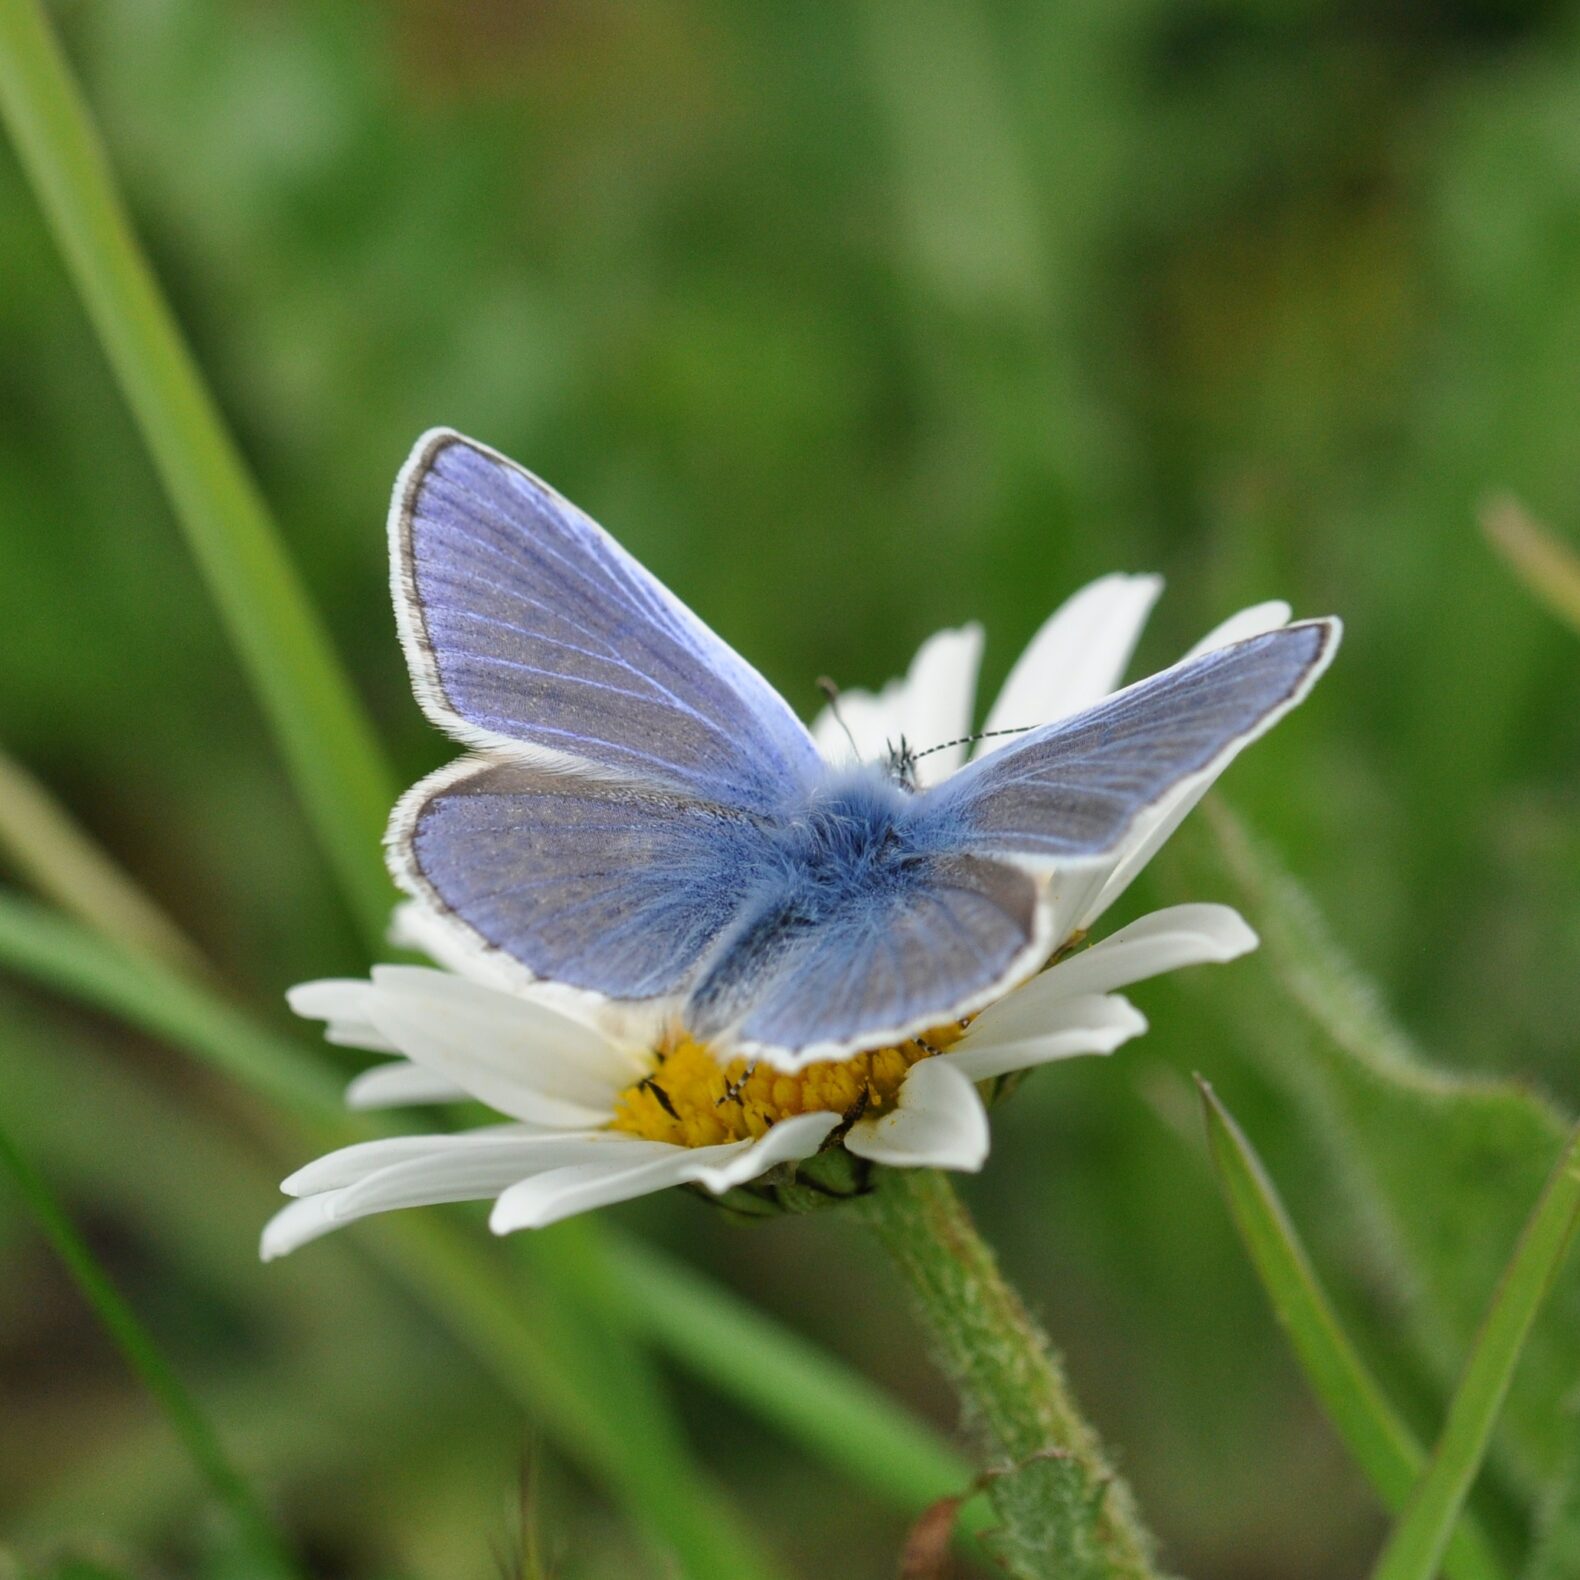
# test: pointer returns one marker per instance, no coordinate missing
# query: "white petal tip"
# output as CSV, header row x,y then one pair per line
x,y
503,1223
295,1226
1241,941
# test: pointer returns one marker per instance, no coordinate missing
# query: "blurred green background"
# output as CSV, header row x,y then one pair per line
x,y
851,321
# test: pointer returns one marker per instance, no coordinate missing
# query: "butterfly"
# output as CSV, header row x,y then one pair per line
x,y
643,819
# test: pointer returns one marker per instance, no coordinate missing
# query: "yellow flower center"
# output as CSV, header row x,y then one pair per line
x,y
692,1100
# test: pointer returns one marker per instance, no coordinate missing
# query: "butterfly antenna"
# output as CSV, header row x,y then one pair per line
x,y
969,740
831,691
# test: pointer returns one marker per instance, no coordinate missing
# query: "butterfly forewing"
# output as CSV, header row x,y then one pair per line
x,y
1073,789
530,630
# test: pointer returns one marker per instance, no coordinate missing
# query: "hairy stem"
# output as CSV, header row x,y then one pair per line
x,y
1063,1511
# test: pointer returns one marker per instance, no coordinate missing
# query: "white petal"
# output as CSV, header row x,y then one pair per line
x,y
829,737
936,700
342,1003
330,998
296,1224
1144,841
448,1168
873,722
522,1058
397,1083
1078,656
932,705
415,926
1254,621
1182,935
787,1142
1070,898
348,1165
363,1036
474,1173
939,1122
1027,1029
563,1192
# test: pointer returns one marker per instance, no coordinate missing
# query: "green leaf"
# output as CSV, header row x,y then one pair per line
x,y
1405,1141
264,1547
1383,1446
1418,1541
318,723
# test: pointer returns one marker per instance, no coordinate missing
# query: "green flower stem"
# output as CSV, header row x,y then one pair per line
x,y
1063,1511
317,721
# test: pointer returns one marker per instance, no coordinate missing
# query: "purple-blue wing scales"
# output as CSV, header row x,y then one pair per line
x,y
530,631
592,883
1074,789
879,967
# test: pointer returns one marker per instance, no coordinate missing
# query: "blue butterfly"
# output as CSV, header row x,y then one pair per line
x,y
643,818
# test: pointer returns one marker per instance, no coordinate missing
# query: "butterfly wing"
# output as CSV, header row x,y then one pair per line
x,y
882,966
1072,790
531,632
596,884
974,917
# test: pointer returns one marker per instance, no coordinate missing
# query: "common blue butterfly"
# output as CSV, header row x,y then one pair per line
x,y
643,818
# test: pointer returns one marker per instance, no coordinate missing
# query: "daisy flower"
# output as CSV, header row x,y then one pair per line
x,y
594,1114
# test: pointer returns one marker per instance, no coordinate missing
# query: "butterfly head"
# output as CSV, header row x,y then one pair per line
x,y
901,764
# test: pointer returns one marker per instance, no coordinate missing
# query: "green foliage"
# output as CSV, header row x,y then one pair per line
x,y
266,1554
1419,1540
1438,1167
1382,1444
317,722
1555,1549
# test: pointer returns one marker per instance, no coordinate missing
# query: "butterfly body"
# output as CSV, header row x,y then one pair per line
x,y
645,821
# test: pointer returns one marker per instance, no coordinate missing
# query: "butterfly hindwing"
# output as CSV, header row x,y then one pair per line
x,y
880,967
595,884
530,631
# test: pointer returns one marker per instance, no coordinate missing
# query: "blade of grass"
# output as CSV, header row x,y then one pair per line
x,y
49,948
1416,1546
317,721
1548,567
1382,1445
48,849
832,1412
137,1345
